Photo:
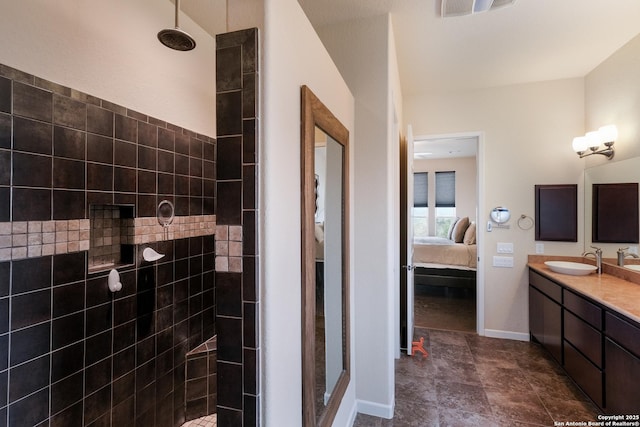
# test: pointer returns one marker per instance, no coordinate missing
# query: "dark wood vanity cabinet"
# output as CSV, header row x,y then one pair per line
x,y
582,345
545,313
622,358
598,347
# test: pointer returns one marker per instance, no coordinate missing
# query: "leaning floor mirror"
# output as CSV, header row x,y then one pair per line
x,y
325,264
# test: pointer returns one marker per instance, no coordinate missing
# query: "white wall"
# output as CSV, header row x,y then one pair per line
x,y
109,49
528,131
613,96
466,184
294,56
362,52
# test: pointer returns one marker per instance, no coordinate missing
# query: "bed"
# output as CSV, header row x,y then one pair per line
x,y
450,261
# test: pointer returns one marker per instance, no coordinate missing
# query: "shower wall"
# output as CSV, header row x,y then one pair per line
x,y
71,353
237,257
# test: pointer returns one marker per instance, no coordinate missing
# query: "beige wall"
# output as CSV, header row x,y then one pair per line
x,y
109,49
466,184
290,62
362,51
527,132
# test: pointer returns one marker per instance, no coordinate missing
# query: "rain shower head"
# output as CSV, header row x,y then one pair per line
x,y
175,38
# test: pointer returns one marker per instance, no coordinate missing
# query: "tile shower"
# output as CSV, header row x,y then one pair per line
x,y
72,353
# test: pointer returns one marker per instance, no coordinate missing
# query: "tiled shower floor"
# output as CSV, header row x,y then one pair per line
x,y
206,421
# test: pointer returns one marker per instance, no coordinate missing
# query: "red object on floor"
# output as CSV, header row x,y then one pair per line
x,y
419,346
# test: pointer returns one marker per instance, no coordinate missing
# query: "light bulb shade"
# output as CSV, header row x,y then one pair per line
x,y
608,133
594,139
580,144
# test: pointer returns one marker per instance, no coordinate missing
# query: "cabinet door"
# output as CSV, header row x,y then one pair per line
x,y
553,328
622,389
536,314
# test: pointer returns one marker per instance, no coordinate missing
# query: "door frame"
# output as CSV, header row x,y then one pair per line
x,y
480,209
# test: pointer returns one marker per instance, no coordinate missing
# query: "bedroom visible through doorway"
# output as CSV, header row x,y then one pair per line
x,y
444,218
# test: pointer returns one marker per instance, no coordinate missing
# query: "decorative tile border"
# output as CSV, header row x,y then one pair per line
x,y
229,248
30,239
148,230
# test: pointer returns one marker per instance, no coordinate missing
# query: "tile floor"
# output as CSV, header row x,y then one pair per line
x,y
206,421
437,307
468,380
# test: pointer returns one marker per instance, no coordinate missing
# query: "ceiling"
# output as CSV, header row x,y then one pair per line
x,y
532,40
529,41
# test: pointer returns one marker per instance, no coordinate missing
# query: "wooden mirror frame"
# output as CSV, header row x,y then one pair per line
x,y
315,114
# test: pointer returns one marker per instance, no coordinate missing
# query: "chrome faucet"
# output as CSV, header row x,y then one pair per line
x,y
597,254
622,254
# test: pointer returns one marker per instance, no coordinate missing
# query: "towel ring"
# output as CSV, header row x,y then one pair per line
x,y
525,222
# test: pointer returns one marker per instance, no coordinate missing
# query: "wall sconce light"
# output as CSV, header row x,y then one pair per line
x,y
606,136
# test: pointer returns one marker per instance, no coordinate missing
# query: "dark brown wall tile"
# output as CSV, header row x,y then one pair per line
x,y
229,165
147,158
181,164
29,101
68,299
249,105
67,330
182,143
99,120
68,174
126,128
69,143
229,68
229,203
124,180
147,135
29,343
146,182
67,361
249,152
166,139
68,204
31,204
31,136
99,149
229,384
5,95
69,112
5,131
165,161
229,294
125,154
5,204
99,177
66,393
229,113
5,167
30,170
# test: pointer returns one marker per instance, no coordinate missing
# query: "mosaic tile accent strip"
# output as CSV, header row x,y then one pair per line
x,y
30,239
148,230
229,248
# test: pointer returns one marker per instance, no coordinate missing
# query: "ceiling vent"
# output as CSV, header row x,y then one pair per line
x,y
468,7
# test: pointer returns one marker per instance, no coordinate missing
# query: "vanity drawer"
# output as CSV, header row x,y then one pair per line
x,y
584,373
589,312
583,337
625,333
551,289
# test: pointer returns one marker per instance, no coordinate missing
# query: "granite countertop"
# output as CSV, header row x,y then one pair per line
x,y
616,288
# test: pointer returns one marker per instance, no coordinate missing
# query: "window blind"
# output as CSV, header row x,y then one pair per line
x,y
420,190
446,189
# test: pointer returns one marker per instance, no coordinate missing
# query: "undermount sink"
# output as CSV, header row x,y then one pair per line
x,y
634,267
571,268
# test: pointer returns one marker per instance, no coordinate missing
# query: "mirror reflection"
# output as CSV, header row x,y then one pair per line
x,y
625,171
328,236
325,305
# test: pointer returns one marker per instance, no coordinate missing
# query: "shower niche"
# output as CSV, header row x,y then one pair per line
x,y
110,244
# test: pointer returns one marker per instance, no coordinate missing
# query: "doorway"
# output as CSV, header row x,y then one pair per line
x,y
447,292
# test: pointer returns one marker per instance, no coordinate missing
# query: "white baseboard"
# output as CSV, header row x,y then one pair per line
x,y
375,409
507,335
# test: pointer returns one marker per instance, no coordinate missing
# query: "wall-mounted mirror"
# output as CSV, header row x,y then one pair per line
x,y
624,171
325,264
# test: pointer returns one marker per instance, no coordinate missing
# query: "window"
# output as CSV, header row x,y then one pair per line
x,y
420,204
445,201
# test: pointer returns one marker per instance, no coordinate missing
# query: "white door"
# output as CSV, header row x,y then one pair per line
x,y
409,242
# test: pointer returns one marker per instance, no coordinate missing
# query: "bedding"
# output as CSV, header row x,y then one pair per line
x,y
459,251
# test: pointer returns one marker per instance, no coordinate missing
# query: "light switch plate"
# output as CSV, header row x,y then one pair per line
x,y
539,248
505,248
503,261
633,250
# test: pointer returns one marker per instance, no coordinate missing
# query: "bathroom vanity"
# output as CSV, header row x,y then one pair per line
x,y
591,326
